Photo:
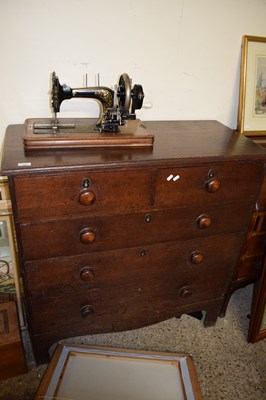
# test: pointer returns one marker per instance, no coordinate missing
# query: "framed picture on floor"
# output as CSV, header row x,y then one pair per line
x,y
80,372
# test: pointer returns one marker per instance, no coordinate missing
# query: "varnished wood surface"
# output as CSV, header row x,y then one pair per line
x,y
62,237
142,263
12,359
83,134
175,141
154,247
116,192
123,280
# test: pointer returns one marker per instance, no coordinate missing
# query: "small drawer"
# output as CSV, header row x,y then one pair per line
x,y
85,193
206,184
65,237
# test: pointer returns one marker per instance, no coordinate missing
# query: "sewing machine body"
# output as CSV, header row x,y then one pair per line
x,y
116,126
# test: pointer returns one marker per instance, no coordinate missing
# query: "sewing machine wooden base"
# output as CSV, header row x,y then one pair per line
x,y
80,133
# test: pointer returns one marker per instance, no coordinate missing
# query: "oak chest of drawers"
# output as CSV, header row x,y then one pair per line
x,y
116,239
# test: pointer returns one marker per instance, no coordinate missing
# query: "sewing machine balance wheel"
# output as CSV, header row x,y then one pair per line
x,y
124,92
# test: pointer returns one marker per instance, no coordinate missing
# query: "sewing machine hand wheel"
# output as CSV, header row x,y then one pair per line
x,y
137,97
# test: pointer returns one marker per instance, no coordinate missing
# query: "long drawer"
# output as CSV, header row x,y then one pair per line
x,y
101,305
128,282
80,236
108,307
181,260
116,192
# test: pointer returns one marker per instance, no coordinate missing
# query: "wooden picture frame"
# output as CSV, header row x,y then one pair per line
x,y
257,327
252,97
10,284
80,372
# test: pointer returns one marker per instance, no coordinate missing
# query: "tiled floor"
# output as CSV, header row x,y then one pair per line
x,y
228,367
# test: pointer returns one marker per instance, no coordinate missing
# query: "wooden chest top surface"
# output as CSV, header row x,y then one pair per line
x,y
178,142
118,238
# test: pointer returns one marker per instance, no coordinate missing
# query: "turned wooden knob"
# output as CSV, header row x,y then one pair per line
x,y
87,236
87,274
196,257
87,197
185,291
204,221
86,310
213,185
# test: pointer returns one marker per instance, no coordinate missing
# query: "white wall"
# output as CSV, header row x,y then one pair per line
x,y
185,53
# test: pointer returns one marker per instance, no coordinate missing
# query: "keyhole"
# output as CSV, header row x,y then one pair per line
x,y
86,183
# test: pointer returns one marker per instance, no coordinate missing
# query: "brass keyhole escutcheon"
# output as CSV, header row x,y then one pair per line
x,y
85,183
148,218
211,173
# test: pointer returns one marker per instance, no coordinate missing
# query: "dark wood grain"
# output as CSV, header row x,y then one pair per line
x,y
116,192
115,239
62,237
12,360
176,142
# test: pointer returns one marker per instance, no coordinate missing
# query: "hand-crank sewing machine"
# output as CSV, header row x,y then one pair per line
x,y
116,126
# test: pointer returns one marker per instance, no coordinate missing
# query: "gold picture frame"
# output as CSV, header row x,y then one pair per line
x,y
252,97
